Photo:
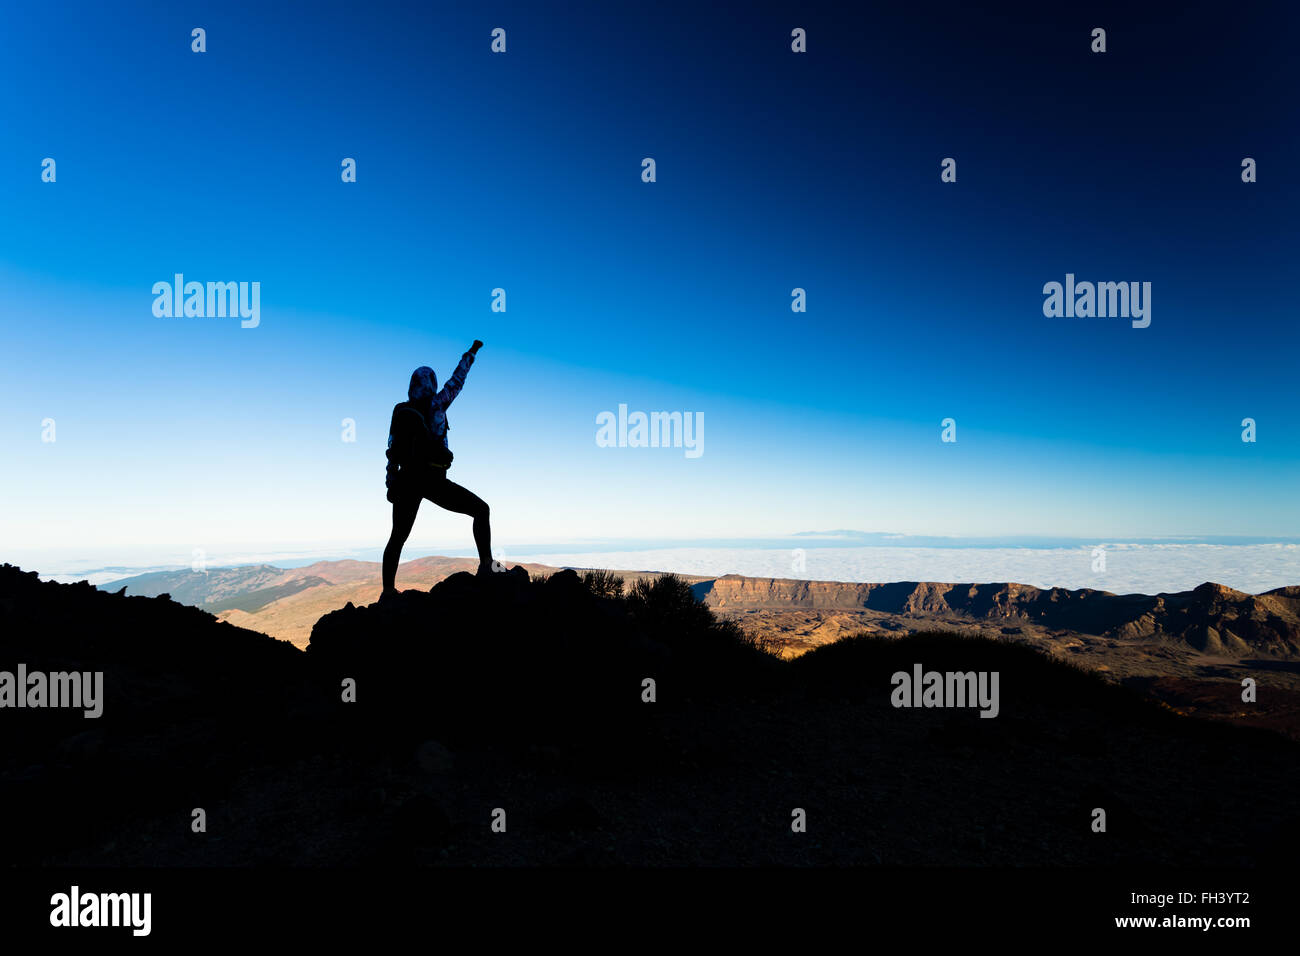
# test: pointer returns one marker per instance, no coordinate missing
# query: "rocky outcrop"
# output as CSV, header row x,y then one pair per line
x,y
1211,618
393,738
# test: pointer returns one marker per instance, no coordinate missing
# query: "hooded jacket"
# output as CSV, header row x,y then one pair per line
x,y
419,425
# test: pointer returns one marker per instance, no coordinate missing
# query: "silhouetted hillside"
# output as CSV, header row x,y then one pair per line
x,y
189,702
528,696
471,656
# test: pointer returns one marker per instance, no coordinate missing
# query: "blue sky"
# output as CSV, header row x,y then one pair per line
x,y
522,171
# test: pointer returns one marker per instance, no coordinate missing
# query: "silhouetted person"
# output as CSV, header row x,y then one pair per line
x,y
418,459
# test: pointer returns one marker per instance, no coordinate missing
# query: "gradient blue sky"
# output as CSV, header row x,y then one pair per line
x,y
523,171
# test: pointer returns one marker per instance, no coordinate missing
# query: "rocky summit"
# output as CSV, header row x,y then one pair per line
x,y
568,719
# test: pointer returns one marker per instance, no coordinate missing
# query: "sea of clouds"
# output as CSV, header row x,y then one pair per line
x,y
1129,568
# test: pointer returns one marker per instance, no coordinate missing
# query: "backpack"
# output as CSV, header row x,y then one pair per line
x,y
439,455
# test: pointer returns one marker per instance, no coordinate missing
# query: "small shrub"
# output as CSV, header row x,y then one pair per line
x,y
603,584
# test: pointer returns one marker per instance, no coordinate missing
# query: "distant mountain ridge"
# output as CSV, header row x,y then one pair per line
x,y
1210,618
799,614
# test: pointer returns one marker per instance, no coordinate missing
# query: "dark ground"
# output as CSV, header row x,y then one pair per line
x,y
526,696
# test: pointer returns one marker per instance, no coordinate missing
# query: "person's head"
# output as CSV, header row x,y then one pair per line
x,y
424,385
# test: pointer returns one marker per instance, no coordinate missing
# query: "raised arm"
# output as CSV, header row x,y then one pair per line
x,y
457,381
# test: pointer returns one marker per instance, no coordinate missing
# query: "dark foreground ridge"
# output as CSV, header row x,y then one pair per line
x,y
527,696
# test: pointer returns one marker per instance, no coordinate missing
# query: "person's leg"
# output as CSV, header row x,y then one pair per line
x,y
445,493
404,510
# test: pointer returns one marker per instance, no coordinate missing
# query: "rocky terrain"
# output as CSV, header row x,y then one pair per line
x,y
407,725
797,615
1191,649
1212,619
286,602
